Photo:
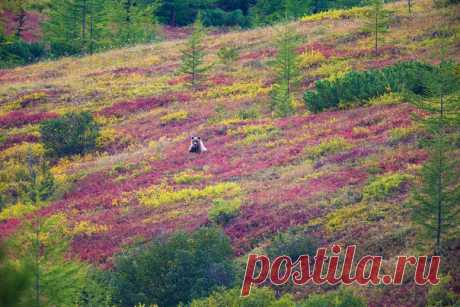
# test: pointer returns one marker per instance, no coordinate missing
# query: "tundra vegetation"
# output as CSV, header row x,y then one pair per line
x,y
100,204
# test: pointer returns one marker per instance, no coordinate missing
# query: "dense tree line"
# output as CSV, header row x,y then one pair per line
x,y
73,27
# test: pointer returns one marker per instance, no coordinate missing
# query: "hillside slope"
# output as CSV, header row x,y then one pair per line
x,y
307,171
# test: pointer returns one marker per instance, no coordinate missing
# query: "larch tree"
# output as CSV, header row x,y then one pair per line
x,y
37,187
76,26
193,54
287,75
132,21
377,22
437,200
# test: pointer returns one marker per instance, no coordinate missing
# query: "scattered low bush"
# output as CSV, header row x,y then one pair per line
x,y
337,14
17,278
340,298
173,117
258,297
14,52
74,133
254,133
341,218
441,295
384,186
179,269
293,245
157,196
219,18
13,175
332,70
250,113
18,118
228,55
223,210
386,99
310,58
326,147
188,177
401,134
15,211
360,86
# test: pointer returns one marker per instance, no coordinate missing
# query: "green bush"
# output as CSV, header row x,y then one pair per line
x,y
360,86
179,269
16,281
219,18
292,245
224,210
14,52
340,298
74,133
258,297
442,294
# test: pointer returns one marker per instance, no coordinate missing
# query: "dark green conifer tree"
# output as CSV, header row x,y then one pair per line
x,y
437,200
193,54
287,74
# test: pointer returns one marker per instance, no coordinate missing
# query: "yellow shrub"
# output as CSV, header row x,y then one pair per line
x,y
157,196
13,166
363,131
310,58
16,211
384,186
106,137
254,133
386,99
23,101
333,145
223,211
19,152
88,228
237,90
341,218
337,14
401,134
189,177
173,117
332,70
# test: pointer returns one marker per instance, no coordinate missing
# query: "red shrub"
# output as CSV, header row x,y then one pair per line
x,y
18,119
141,104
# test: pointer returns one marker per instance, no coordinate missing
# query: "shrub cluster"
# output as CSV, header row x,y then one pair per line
x,y
293,245
18,52
160,195
340,298
182,268
74,133
220,18
326,147
360,86
385,185
224,210
258,297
